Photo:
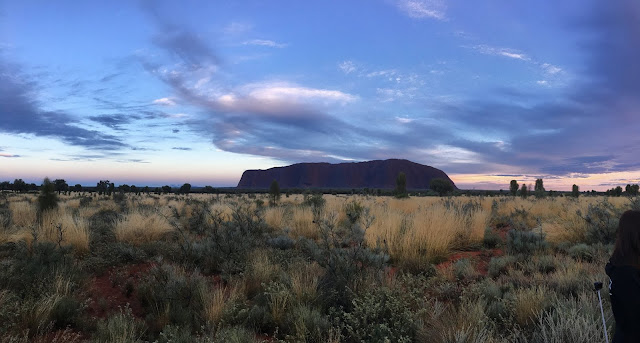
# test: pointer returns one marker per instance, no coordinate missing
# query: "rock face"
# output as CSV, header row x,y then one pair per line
x,y
371,174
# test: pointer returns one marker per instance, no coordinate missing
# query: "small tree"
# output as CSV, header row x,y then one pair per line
x,y
401,186
186,188
19,185
539,189
166,189
575,191
61,185
524,192
102,186
48,199
441,186
513,187
274,192
77,188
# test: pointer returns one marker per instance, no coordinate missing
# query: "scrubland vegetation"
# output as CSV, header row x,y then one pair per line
x,y
312,268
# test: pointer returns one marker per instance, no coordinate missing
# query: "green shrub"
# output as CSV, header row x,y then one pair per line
x,y
526,242
463,269
314,200
500,265
345,255
378,315
226,246
582,252
307,324
119,328
602,222
545,264
491,239
172,296
234,334
48,199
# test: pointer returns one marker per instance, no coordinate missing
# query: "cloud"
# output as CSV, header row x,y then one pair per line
x,y
164,102
420,9
188,47
22,113
181,148
347,67
504,52
264,42
114,121
283,91
550,69
404,120
8,155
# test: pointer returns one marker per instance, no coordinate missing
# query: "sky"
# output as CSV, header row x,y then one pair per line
x,y
168,92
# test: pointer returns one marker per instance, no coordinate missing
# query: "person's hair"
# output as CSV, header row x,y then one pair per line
x,y
627,250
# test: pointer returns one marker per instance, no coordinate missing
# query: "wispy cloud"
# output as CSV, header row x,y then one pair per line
x,y
181,148
550,69
347,67
2,154
265,42
421,9
164,102
504,52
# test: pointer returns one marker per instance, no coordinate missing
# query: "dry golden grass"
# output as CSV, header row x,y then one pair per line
x,y
302,223
23,213
421,230
261,270
218,301
137,227
528,304
304,281
274,216
74,229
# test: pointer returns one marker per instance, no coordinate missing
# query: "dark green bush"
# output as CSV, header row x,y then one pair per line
x,y
526,242
602,222
31,271
314,200
120,327
378,315
48,199
491,239
582,252
171,295
345,255
226,245
500,265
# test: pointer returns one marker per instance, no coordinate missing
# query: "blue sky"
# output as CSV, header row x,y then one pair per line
x,y
150,92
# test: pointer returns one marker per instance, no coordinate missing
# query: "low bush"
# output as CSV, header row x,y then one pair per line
x,y
601,221
526,242
491,239
171,295
582,252
378,315
500,265
122,327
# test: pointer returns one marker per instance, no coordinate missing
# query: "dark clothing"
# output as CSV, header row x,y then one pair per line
x,y
624,289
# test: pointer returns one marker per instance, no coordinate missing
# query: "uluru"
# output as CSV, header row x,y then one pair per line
x,y
370,174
